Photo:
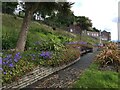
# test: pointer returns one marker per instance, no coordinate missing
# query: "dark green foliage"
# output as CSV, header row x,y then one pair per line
x,y
8,7
84,22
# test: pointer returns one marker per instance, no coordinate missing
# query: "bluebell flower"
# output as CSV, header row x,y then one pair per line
x,y
16,60
11,65
45,55
7,62
17,57
4,63
4,73
8,57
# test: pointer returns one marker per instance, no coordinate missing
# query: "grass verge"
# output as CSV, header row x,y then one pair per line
x,y
94,78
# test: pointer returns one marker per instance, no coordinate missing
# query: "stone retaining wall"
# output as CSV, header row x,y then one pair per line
x,y
37,74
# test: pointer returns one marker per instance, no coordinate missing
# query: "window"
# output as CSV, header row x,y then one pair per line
x,y
71,30
88,33
97,35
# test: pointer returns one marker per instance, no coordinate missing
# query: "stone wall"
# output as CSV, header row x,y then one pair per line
x,y
37,74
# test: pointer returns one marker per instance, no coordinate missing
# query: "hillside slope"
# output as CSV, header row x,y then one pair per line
x,y
37,32
44,47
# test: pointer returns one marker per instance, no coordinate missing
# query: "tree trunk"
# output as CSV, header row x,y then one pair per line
x,y
24,30
30,8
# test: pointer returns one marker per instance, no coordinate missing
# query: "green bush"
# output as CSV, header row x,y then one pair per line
x,y
63,57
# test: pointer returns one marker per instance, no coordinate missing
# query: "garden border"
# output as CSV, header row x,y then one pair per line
x,y
37,74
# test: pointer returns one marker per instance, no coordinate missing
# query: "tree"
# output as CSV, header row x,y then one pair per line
x,y
62,17
84,22
30,8
95,29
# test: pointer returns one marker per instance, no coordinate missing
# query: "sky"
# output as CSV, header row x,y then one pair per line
x,y
103,14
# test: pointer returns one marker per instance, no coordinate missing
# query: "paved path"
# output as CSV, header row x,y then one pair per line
x,y
66,77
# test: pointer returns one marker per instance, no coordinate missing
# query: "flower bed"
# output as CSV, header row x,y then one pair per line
x,y
83,46
17,64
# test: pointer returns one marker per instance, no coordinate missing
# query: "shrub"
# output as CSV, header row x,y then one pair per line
x,y
109,56
64,56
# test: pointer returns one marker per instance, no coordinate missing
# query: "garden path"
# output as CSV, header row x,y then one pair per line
x,y
67,76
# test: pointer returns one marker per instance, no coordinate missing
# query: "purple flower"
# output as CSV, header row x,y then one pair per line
x,y
8,58
17,57
4,63
15,60
1,69
4,73
82,42
45,55
11,65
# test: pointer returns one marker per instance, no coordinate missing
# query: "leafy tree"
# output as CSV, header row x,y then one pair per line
x,y
84,22
63,17
95,29
30,8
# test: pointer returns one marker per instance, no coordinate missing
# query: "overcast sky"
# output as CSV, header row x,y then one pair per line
x,y
103,14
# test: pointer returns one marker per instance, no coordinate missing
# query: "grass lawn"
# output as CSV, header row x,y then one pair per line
x,y
94,78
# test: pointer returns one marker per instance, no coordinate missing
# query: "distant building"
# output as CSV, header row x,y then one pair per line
x,y
105,35
93,33
74,29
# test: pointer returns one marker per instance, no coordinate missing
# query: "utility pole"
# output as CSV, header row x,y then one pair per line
x,y
100,38
119,24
